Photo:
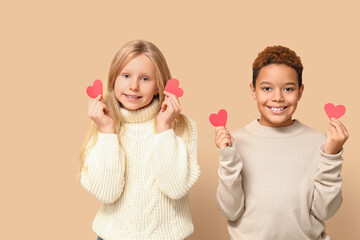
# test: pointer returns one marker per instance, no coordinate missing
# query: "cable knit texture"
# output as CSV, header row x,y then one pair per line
x,y
144,189
278,184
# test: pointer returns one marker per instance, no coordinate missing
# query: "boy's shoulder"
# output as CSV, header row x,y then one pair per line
x,y
241,132
310,130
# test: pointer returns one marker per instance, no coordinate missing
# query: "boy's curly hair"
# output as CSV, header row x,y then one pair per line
x,y
279,55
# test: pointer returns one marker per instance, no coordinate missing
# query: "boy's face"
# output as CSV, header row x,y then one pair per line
x,y
277,93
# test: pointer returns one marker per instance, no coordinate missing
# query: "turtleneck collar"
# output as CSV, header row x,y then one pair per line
x,y
140,115
264,131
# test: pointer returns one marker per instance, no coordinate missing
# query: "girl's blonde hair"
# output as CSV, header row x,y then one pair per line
x,y
162,74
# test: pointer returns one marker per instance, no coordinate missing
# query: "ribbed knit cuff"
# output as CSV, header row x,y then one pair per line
x,y
230,158
227,151
332,156
107,138
165,134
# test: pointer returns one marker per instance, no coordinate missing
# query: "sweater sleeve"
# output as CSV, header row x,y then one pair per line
x,y
328,182
175,162
103,172
230,194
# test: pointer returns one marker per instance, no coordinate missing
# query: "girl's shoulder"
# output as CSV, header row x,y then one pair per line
x,y
191,123
186,127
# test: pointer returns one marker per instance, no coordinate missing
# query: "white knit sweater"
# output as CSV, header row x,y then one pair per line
x,y
144,189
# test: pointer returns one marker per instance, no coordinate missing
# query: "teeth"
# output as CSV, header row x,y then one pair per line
x,y
277,109
129,96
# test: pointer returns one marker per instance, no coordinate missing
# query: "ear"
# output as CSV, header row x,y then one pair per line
x,y
301,90
253,91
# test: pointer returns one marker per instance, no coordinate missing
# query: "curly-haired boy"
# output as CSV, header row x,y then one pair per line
x,y
279,179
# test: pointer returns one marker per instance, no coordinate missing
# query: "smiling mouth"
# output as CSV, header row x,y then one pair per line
x,y
277,109
132,97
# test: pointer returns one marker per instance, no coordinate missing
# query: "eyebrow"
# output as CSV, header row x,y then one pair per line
x,y
269,83
141,74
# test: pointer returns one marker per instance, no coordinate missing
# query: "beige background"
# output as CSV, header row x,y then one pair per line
x,y
52,50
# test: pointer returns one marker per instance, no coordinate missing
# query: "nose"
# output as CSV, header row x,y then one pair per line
x,y
134,84
277,96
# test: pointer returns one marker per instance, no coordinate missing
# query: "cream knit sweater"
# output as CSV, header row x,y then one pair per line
x,y
278,184
144,189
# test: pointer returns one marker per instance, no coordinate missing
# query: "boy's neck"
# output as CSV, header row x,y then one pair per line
x,y
270,124
266,131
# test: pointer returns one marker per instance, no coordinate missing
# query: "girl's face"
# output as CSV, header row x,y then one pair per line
x,y
277,93
136,86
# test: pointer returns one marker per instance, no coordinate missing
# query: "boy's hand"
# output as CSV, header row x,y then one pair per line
x,y
223,138
170,109
336,136
99,113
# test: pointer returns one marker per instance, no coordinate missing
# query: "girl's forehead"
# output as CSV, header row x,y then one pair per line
x,y
140,63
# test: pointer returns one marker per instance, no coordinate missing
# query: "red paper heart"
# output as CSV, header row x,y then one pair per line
x,y
172,86
218,119
95,90
333,111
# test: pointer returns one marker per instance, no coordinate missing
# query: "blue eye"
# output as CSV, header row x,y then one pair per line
x,y
145,78
126,75
266,88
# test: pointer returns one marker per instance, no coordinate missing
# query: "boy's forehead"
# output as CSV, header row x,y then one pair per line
x,y
277,74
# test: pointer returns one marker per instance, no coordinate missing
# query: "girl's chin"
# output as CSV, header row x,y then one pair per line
x,y
130,107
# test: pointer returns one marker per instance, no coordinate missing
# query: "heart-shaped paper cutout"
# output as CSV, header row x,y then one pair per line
x,y
334,112
218,119
96,89
172,86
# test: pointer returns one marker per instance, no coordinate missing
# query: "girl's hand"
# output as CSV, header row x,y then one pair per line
x,y
170,109
99,113
223,138
336,136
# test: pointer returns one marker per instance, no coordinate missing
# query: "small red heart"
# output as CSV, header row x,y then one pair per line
x,y
172,86
218,119
333,111
95,90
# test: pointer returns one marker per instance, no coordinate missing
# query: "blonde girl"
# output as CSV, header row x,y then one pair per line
x,y
140,155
